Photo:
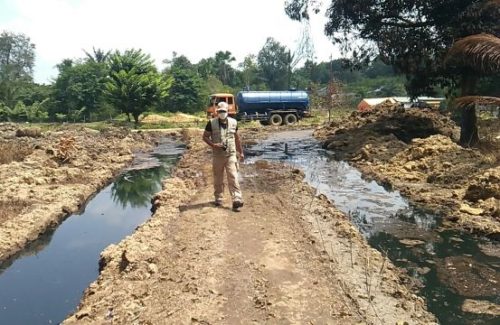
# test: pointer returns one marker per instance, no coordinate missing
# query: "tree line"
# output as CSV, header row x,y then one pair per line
x,y
102,84
450,45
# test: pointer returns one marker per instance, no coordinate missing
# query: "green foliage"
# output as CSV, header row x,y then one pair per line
x,y
489,86
135,188
274,62
102,84
213,85
225,72
98,56
378,87
186,92
33,92
414,36
37,112
79,89
134,85
185,95
17,57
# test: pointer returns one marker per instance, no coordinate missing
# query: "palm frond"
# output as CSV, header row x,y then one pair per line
x,y
463,102
480,52
491,5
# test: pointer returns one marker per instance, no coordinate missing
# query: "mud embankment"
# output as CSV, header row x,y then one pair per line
x,y
59,172
414,152
289,256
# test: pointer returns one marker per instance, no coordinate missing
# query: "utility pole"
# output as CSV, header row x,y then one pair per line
x,y
331,90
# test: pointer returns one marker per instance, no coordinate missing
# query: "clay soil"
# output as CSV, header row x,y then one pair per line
x,y
415,151
289,257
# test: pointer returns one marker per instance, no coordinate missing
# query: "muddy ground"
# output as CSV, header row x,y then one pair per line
x,y
45,176
287,257
415,152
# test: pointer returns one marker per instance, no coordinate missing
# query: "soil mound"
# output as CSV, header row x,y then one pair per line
x,y
413,151
484,186
404,124
436,160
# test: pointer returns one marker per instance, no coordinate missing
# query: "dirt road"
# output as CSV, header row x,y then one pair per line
x,y
288,258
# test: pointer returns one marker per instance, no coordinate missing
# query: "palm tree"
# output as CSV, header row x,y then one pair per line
x,y
222,64
476,56
99,56
134,85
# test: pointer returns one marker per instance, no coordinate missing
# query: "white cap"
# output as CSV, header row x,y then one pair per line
x,y
222,107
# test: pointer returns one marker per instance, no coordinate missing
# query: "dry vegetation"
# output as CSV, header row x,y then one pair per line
x,y
11,208
13,151
489,132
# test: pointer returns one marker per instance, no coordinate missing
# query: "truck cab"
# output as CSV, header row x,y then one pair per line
x,y
215,99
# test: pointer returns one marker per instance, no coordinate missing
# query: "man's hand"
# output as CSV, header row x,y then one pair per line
x,y
242,156
217,145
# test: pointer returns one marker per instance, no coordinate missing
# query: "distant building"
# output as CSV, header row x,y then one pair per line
x,y
367,104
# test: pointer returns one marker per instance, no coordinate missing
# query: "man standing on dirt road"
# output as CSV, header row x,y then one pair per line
x,y
221,133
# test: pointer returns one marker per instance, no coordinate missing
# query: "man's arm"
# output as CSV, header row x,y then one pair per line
x,y
207,137
239,148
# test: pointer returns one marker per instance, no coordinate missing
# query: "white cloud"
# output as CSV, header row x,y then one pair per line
x,y
63,28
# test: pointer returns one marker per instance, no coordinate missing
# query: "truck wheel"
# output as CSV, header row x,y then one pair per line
x,y
275,120
290,119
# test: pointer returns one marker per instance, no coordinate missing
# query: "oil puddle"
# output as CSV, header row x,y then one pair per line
x,y
448,267
44,283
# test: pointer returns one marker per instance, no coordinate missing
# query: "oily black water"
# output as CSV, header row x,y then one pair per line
x,y
44,283
447,266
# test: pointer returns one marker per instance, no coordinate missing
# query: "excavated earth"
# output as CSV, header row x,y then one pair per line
x,y
415,152
45,176
289,257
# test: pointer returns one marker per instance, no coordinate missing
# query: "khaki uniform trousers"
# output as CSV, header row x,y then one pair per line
x,y
230,164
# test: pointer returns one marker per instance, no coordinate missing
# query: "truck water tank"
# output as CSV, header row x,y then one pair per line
x,y
272,100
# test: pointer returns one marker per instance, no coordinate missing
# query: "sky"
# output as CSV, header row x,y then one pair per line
x,y
62,29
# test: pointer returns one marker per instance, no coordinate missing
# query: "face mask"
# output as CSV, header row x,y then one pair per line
x,y
222,115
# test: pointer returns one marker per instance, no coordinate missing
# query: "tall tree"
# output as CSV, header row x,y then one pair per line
x,y
97,55
415,36
206,68
222,63
274,60
475,56
249,70
412,35
186,94
79,89
17,59
134,84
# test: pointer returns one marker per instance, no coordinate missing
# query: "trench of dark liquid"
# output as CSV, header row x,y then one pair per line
x,y
448,266
44,283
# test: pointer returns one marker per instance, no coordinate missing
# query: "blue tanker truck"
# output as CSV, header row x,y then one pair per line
x,y
268,107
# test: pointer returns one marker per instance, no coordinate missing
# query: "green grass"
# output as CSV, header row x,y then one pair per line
x,y
171,125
